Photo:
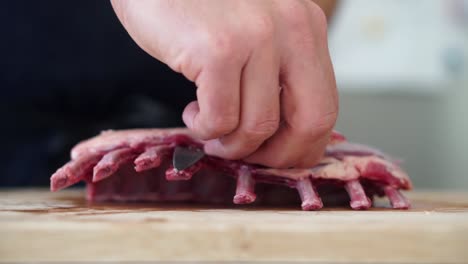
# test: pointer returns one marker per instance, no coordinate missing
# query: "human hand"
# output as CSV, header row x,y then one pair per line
x,y
239,54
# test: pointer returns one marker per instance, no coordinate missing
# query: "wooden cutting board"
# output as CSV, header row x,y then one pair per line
x,y
36,225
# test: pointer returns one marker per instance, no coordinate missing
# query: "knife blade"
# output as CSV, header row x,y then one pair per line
x,y
184,157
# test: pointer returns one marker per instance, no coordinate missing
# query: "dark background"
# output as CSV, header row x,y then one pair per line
x,y
68,71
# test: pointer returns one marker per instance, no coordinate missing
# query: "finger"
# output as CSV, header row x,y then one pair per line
x,y
309,110
260,107
216,112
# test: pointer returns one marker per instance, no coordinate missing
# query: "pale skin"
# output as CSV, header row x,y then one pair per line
x,y
266,91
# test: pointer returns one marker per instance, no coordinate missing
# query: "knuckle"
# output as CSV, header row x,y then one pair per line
x,y
184,63
251,137
295,14
221,46
263,29
317,126
219,125
318,16
258,130
307,22
327,121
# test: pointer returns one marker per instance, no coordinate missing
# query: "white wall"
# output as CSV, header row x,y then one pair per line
x,y
402,71
429,132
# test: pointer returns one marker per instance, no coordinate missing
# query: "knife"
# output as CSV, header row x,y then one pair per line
x,y
185,157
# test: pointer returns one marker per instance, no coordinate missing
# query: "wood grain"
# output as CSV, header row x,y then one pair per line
x,y
36,225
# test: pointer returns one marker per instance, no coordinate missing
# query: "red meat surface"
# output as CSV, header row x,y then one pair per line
x,y
135,165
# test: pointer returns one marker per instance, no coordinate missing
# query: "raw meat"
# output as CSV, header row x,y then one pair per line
x,y
134,165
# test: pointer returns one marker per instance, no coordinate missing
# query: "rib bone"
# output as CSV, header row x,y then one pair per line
x,y
111,162
310,199
151,158
172,174
245,187
397,200
73,172
358,197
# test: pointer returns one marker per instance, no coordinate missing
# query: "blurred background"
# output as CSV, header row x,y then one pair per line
x,y
402,72
69,71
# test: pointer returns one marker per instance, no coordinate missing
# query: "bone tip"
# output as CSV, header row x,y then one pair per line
x,y
361,204
58,183
53,188
102,172
401,205
311,205
407,184
99,175
141,166
58,180
176,175
244,198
